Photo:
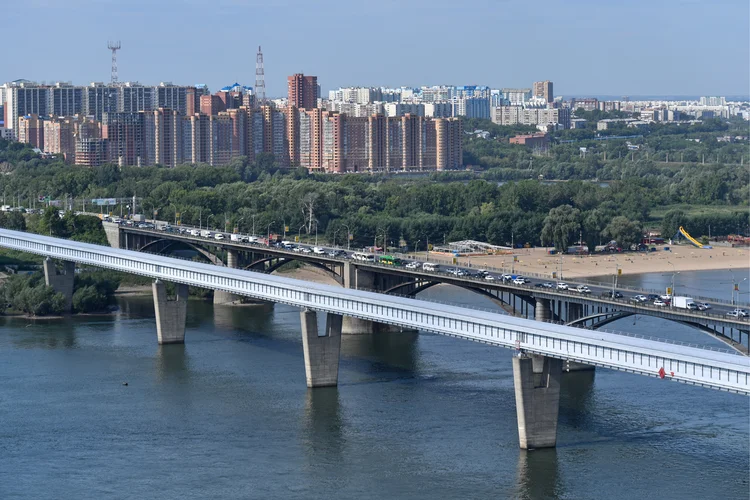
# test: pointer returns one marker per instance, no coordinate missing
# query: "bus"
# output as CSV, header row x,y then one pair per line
x,y
389,260
362,256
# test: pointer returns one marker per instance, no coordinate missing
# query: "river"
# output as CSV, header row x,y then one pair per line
x,y
228,415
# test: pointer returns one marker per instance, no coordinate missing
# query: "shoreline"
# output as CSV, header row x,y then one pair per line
x,y
538,262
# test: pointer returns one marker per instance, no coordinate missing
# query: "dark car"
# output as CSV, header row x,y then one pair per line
x,y
612,295
652,297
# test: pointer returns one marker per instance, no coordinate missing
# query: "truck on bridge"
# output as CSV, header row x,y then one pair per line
x,y
684,303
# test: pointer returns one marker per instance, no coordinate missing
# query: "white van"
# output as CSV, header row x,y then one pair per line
x,y
219,236
195,232
429,266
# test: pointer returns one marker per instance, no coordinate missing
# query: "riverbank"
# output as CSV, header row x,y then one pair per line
x,y
538,261
309,273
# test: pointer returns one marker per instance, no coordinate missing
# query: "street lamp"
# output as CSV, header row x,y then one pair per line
x,y
674,272
208,226
299,233
416,248
254,215
268,231
237,224
614,279
348,235
334,236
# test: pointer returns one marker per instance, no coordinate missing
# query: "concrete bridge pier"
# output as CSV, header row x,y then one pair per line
x,y
542,310
575,311
321,349
537,385
61,283
227,298
360,279
170,314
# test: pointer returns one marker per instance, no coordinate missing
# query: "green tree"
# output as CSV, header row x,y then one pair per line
x,y
561,226
624,231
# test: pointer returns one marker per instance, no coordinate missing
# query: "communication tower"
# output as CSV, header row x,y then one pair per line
x,y
114,47
260,82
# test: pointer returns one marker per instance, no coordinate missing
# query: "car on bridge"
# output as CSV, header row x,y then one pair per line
x,y
583,289
562,286
612,295
507,277
489,277
413,265
737,313
703,306
639,298
660,303
520,280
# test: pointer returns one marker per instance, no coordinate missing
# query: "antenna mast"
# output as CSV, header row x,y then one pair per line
x,y
260,82
114,47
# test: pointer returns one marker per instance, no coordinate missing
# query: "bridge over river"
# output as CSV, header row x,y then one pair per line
x,y
541,347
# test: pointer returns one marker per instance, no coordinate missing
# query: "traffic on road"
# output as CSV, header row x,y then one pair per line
x,y
486,275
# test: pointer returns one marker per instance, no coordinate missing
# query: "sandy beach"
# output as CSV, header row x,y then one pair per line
x,y
538,261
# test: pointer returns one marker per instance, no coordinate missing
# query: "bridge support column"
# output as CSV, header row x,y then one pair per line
x,y
170,314
537,384
575,311
227,298
542,310
61,283
321,349
359,279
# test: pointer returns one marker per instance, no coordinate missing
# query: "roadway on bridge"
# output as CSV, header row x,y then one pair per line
x,y
714,308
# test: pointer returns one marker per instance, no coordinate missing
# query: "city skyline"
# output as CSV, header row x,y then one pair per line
x,y
653,55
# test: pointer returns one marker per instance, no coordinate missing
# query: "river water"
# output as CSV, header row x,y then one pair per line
x,y
228,415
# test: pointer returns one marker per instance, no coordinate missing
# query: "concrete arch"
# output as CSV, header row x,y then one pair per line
x,y
163,247
280,261
429,284
611,316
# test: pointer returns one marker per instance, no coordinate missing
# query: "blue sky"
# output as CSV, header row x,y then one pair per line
x,y
629,47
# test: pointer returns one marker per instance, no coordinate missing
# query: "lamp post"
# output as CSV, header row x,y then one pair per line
x,y
268,231
334,236
348,235
254,215
237,224
200,218
416,248
208,226
671,295
316,232
299,233
614,279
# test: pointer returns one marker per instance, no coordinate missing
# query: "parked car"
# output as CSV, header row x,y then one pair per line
x,y
562,286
